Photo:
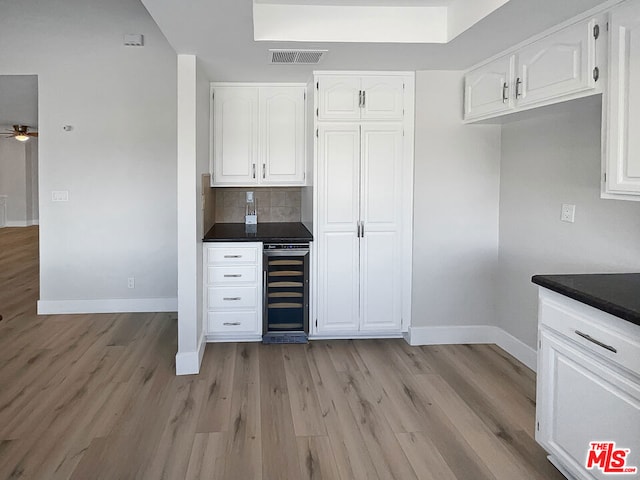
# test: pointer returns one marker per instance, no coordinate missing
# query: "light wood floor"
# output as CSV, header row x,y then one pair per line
x,y
95,396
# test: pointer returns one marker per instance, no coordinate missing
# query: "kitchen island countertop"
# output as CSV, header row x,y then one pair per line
x,y
276,232
614,293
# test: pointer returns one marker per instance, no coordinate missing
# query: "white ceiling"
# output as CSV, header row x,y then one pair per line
x,y
18,100
368,3
220,33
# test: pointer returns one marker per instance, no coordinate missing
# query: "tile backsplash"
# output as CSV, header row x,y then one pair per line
x,y
275,204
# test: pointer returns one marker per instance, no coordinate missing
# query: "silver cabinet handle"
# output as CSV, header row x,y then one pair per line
x,y
359,98
597,342
233,256
364,98
518,83
505,90
362,229
231,324
254,170
358,230
264,170
232,275
232,299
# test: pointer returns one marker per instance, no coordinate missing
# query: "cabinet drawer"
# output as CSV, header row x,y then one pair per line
x,y
232,275
233,297
232,255
614,339
231,322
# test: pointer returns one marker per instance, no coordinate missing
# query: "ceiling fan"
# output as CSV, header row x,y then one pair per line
x,y
20,133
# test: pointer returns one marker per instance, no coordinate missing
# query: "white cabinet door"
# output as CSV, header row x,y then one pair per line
x,y
382,97
282,147
338,156
235,136
555,66
581,399
488,89
339,97
623,102
381,213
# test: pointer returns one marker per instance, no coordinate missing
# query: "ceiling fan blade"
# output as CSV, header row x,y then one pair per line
x,y
32,134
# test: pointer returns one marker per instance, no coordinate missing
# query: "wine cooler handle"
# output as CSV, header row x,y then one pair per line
x,y
264,297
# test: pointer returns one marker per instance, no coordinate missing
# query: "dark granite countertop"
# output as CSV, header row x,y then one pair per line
x,y
614,293
264,232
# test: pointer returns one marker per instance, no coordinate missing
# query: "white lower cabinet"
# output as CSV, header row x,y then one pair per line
x,y
588,386
233,291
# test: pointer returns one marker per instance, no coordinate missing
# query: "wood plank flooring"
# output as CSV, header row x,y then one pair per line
x,y
96,397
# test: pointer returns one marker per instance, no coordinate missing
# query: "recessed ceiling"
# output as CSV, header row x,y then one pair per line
x,y
18,100
220,34
367,21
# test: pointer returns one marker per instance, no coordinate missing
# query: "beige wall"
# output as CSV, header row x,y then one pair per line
x,y
547,160
455,240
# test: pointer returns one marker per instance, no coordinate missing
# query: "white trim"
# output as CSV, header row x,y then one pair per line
x,y
355,336
21,223
107,305
361,73
188,363
462,334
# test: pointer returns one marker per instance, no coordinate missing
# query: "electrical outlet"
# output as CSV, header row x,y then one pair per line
x,y
249,196
60,196
131,282
568,213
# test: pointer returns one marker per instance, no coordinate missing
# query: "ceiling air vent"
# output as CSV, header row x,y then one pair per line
x,y
300,57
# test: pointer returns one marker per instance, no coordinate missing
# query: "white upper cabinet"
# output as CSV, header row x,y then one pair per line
x,y
622,115
258,135
487,89
235,134
282,135
349,97
558,67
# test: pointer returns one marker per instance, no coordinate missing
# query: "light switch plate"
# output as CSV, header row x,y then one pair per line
x,y
568,213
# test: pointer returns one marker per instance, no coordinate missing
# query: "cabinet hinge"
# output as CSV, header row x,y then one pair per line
x,y
596,74
596,31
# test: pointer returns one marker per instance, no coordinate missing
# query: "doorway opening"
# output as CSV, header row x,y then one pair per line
x,y
19,196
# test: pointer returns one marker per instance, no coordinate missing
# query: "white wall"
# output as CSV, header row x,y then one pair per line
x,y
118,163
455,242
548,160
193,161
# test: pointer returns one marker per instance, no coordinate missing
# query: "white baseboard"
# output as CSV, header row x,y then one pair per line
x,y
21,223
108,305
188,363
459,334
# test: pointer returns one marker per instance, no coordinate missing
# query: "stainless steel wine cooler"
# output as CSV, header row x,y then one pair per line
x,y
285,292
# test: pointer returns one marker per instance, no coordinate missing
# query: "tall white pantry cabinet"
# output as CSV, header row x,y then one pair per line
x,y
363,199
